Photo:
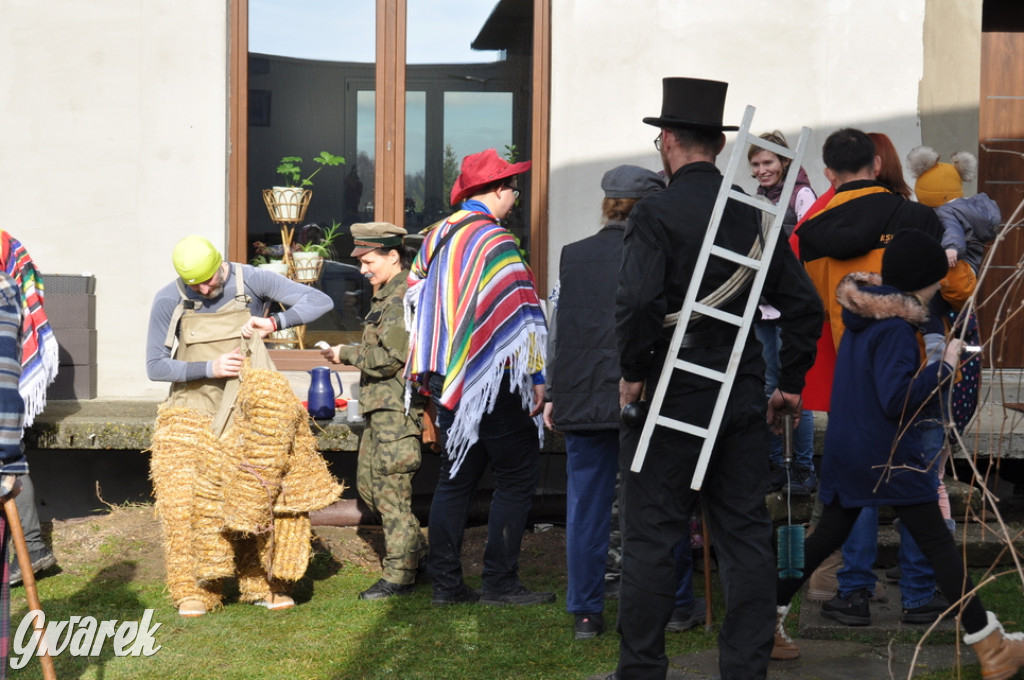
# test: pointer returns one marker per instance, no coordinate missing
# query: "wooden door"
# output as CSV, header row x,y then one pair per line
x,y
1001,176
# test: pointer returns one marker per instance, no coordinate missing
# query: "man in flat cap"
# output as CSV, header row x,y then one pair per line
x,y
389,450
660,249
478,341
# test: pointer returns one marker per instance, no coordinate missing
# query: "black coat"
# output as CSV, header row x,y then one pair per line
x,y
584,373
660,250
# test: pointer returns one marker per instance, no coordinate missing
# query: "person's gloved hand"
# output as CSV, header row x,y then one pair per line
x,y
10,486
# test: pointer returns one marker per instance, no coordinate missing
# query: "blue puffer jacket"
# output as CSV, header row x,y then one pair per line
x,y
873,450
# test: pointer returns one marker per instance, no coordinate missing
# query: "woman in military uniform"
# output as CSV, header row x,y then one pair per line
x,y
389,452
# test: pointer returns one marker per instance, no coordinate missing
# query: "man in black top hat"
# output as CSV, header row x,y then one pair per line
x,y
660,250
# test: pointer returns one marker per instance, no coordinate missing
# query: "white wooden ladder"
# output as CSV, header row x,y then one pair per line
x,y
754,263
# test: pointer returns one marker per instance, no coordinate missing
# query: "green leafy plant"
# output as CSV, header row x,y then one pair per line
x,y
290,168
323,245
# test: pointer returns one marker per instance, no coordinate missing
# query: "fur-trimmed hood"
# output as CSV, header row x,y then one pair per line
x,y
865,299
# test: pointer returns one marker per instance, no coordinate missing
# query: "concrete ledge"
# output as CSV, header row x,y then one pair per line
x,y
128,425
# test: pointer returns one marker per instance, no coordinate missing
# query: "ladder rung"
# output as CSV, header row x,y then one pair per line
x,y
718,314
754,201
738,258
697,369
679,425
780,151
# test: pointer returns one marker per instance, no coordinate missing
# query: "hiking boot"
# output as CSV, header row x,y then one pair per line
x,y
851,610
519,596
783,648
823,585
928,612
384,589
463,596
588,626
1000,654
42,560
686,618
803,482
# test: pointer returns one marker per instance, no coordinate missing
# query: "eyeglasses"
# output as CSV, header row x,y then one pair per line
x,y
657,142
515,191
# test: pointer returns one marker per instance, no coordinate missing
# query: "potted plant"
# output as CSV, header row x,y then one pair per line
x,y
288,202
308,258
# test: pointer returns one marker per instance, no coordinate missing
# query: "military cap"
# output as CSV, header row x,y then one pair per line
x,y
372,235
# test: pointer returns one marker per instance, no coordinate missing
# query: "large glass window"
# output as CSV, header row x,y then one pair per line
x,y
312,87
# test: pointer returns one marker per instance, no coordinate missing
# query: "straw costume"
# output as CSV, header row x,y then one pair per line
x,y
234,464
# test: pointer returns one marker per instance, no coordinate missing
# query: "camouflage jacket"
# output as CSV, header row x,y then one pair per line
x,y
381,356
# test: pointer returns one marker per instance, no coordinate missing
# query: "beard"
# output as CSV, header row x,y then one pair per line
x,y
214,292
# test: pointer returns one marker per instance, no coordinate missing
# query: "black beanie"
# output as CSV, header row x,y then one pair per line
x,y
913,260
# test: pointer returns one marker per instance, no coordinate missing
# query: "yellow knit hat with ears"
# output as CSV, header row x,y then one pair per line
x,y
939,183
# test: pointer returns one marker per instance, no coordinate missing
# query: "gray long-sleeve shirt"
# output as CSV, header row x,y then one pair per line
x,y
303,304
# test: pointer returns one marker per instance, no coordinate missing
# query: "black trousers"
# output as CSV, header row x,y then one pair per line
x,y
925,524
655,509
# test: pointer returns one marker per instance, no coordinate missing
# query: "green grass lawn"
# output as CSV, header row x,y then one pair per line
x,y
332,635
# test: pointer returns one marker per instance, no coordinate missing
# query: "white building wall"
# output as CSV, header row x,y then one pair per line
x,y
113,141
826,65
113,121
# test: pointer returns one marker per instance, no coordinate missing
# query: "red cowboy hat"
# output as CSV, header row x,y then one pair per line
x,y
481,169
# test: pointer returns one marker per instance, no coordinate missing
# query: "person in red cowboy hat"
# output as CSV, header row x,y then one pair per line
x,y
663,235
477,341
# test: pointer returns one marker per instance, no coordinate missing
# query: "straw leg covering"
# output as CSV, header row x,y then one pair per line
x,y
180,437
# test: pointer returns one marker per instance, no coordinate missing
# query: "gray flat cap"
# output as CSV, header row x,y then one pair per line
x,y
630,181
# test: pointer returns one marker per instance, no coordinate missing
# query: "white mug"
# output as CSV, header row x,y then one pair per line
x,y
352,411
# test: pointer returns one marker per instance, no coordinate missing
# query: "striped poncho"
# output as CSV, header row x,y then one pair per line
x,y
474,315
39,349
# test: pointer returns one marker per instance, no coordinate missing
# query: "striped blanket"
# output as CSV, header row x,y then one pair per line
x,y
39,358
471,317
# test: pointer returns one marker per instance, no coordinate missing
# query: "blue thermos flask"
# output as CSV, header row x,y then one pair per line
x,y
321,393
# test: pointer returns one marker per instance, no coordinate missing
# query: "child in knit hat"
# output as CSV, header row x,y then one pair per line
x,y
968,223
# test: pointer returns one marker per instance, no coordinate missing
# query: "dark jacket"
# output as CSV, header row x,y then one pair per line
x,y
660,251
876,394
968,224
583,380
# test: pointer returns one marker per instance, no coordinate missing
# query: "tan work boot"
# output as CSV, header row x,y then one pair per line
x,y
1001,654
783,648
823,585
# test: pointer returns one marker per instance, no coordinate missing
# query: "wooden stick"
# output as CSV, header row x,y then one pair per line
x,y
706,536
28,579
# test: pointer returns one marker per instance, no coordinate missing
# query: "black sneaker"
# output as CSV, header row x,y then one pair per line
x,y
894,574
851,610
519,596
384,589
803,482
588,626
926,613
777,478
465,595
42,560
688,618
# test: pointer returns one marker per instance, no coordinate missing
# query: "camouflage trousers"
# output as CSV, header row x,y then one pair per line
x,y
388,459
